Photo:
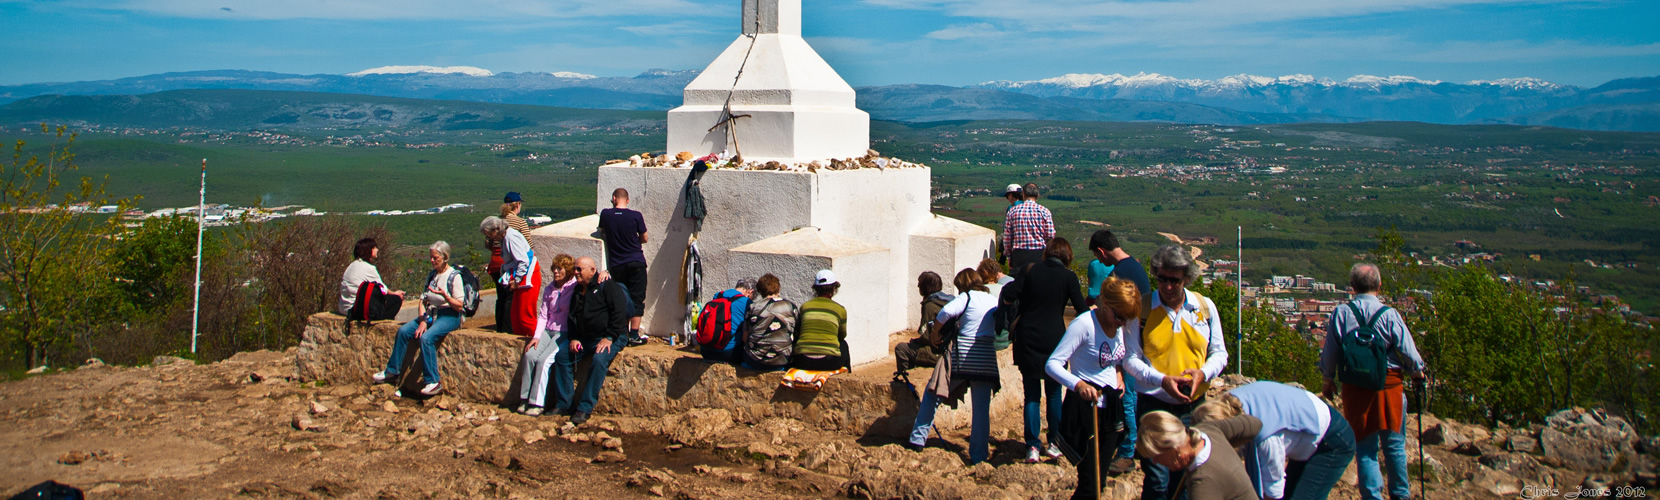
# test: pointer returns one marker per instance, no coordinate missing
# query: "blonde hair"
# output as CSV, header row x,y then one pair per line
x,y
509,207
1161,432
1122,297
1222,407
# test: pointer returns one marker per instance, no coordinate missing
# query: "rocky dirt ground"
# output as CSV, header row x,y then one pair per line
x,y
245,428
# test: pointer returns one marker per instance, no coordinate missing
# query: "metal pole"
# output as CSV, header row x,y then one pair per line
x,y
201,214
1239,292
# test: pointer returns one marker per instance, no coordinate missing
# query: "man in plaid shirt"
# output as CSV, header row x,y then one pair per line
x,y
1027,228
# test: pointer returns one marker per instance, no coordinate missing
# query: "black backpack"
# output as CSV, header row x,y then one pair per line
x,y
372,303
1364,362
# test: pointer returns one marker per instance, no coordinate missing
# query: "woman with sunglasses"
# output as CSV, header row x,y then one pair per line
x,y
1094,348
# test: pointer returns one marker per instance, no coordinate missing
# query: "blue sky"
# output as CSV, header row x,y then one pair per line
x,y
871,42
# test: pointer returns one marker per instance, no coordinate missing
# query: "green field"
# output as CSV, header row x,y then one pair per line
x,y
1309,197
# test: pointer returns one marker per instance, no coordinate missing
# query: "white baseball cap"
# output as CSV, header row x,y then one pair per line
x,y
1013,188
824,277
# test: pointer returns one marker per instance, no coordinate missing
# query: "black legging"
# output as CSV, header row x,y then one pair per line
x,y
824,364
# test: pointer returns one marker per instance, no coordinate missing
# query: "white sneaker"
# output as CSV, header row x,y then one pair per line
x,y
1032,455
534,411
380,377
1053,451
432,389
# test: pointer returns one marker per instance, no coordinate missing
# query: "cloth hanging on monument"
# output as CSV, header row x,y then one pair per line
x,y
695,208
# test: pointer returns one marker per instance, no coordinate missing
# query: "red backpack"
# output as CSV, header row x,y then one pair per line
x,y
714,324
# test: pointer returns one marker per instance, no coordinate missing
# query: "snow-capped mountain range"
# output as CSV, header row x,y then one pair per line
x,y
1628,104
1082,80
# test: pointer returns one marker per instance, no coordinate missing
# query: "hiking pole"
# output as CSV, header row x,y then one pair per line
x,y
1095,425
1418,385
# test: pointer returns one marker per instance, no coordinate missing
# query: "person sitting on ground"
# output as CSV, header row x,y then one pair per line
x,y
1094,348
598,331
923,350
1204,453
994,277
520,273
551,325
441,308
734,304
973,362
362,270
1304,446
1042,294
769,335
821,329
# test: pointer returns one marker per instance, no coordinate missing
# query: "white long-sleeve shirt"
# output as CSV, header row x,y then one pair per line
x,y
1094,355
1149,380
1276,450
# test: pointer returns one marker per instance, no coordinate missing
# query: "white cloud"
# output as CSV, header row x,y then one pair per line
x,y
963,31
405,9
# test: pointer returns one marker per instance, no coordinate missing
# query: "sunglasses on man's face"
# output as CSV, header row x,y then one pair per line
x,y
1167,280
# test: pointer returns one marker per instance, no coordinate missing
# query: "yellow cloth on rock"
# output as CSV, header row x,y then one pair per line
x,y
1173,345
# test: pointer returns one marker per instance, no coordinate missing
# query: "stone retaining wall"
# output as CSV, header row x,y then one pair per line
x,y
646,381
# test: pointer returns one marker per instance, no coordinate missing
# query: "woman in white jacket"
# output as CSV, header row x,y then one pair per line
x,y
973,362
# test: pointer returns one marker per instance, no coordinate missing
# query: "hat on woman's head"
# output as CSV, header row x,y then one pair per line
x,y
1012,189
512,196
824,277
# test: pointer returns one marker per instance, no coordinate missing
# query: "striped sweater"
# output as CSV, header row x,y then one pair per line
x,y
821,328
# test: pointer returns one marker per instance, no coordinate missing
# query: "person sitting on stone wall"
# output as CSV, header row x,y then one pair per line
x,y
551,325
923,350
821,329
735,307
441,308
362,270
598,330
769,334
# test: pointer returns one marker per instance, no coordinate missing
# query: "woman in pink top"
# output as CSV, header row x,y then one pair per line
x,y
550,326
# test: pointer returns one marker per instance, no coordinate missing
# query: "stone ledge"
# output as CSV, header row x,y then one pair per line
x,y
647,381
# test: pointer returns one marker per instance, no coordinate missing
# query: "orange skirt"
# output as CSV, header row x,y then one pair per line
x,y
1370,411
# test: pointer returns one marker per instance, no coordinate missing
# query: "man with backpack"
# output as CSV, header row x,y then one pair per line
x,y
720,322
598,330
1368,350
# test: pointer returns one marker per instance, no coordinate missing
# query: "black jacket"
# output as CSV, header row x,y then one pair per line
x,y
599,311
1043,293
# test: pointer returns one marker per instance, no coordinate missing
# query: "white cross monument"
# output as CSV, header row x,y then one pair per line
x,y
871,226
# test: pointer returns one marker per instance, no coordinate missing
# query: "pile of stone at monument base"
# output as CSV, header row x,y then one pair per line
x,y
246,427
684,159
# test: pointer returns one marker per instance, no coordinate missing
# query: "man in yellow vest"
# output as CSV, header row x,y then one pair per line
x,y
1180,348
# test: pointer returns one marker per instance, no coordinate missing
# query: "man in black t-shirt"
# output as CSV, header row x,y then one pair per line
x,y
624,232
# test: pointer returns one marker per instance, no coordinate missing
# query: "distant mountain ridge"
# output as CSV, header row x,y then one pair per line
x,y
1631,104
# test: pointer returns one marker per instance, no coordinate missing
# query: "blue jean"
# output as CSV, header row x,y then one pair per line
x,y
1126,449
979,435
564,372
444,321
1042,394
1394,456
1156,481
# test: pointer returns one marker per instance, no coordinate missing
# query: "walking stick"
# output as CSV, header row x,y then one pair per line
x,y
1422,466
1095,424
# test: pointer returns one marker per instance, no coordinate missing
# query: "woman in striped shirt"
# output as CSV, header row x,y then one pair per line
x,y
973,362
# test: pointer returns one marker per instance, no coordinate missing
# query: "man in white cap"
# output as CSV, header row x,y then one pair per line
x,y
1027,229
821,338
1011,193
